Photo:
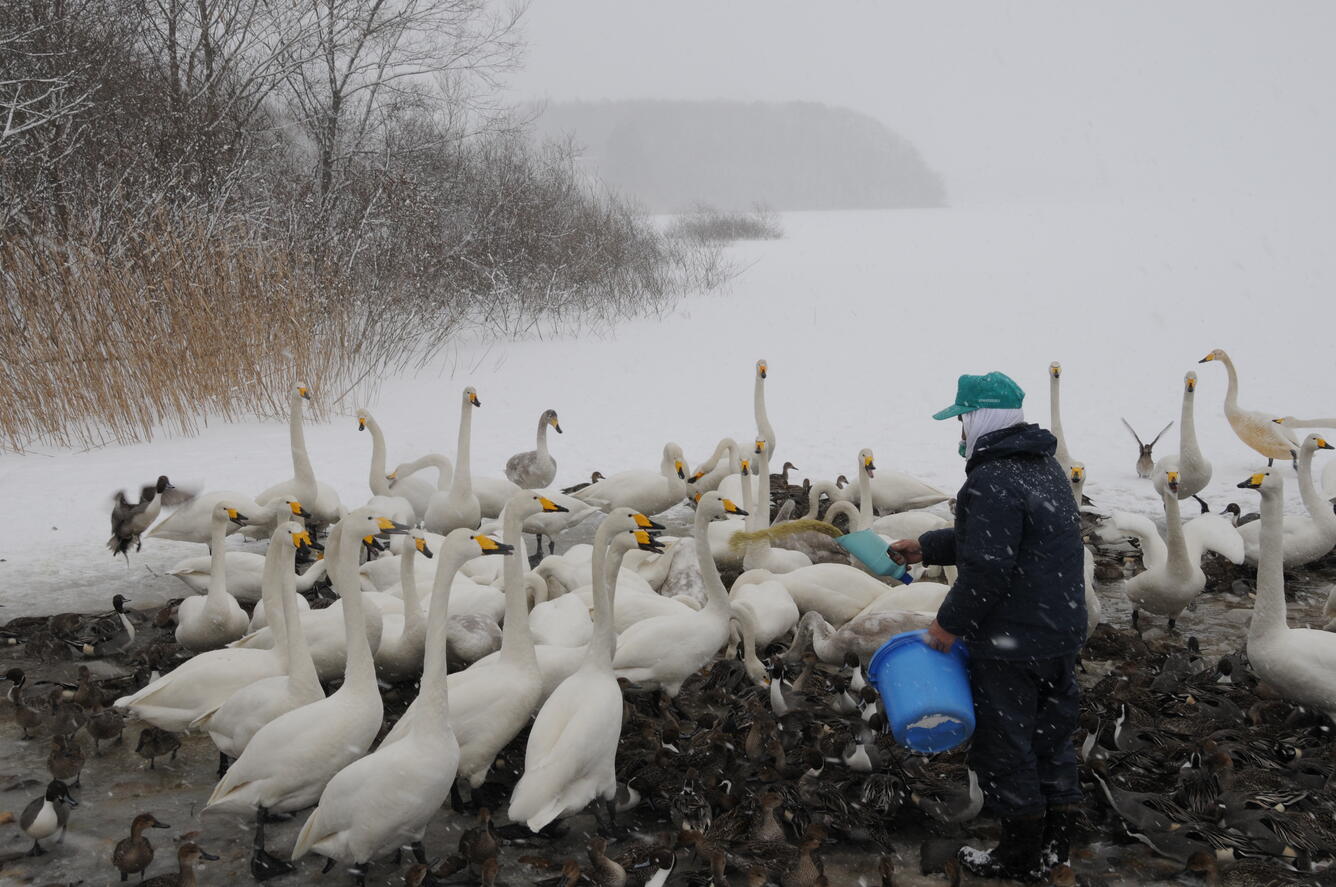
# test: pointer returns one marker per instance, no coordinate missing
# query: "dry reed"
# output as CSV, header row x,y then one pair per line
x,y
170,329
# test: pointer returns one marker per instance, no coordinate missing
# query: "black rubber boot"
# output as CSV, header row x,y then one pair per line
x,y
1016,855
1057,843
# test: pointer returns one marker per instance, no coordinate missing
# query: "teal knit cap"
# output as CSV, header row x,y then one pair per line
x,y
992,391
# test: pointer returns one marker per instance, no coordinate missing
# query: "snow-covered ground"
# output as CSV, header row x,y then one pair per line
x,y
866,319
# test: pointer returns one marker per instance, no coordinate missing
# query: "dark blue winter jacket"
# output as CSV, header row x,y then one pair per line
x,y
1016,545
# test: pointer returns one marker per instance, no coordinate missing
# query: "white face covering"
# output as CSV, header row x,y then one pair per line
x,y
984,421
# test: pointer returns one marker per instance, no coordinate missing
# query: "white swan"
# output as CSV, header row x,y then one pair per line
x,y
244,569
290,760
1328,487
535,469
710,473
772,610
385,800
212,621
1055,416
403,636
666,650
1194,470
320,499
838,592
648,492
490,702
1299,663
301,582
1173,574
550,523
397,508
908,524
571,754
759,554
1253,428
237,720
1305,539
193,521
199,685
417,490
459,506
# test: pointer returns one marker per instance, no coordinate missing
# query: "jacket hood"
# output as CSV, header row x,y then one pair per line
x,y
1018,440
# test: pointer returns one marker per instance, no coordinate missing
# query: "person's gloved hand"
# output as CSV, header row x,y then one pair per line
x,y
939,638
906,551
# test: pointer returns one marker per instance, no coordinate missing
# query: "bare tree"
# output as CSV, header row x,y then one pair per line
x,y
373,59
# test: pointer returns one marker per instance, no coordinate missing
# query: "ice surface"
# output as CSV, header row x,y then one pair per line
x,y
866,319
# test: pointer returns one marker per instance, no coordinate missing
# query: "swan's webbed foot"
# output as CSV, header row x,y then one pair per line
x,y
419,852
606,815
264,865
328,866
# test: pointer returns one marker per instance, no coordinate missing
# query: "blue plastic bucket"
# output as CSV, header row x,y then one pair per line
x,y
926,694
870,548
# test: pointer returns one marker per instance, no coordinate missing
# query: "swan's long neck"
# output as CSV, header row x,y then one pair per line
x,y
1317,506
1269,608
716,596
821,632
408,585
217,597
1180,564
757,548
762,502
302,471
1188,451
762,418
542,438
746,619
359,671
306,580
1055,418
865,512
463,481
603,644
814,497
301,668
433,692
272,581
516,641
380,484
1232,392
1311,423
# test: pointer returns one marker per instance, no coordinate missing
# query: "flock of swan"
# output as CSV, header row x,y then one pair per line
x,y
435,585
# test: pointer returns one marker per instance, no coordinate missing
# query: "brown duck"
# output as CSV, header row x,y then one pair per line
x,y
66,760
134,854
189,854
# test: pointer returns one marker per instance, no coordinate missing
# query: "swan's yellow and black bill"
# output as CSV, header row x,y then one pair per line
x,y
236,517
868,466
1191,383
762,368
1279,421
760,446
1077,473
730,508
473,399
555,424
392,475
1055,370
645,523
677,463
302,542
550,506
1322,444
361,423
746,467
491,546
647,542
388,527
421,546
304,392
695,477
1253,482
297,509
1207,358
1172,478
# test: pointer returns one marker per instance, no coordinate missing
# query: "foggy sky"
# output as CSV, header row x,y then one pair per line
x,y
1012,101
